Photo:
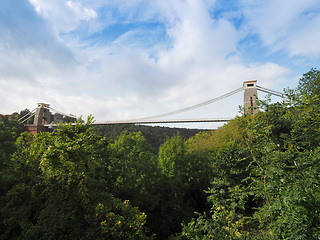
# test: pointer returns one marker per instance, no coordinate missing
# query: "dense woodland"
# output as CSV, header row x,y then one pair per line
x,y
256,177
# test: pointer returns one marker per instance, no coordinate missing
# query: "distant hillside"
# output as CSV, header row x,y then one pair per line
x,y
154,135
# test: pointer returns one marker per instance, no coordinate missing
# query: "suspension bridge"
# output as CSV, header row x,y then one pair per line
x,y
42,117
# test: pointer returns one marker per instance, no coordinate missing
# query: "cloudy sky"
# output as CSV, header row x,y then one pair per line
x,y
129,59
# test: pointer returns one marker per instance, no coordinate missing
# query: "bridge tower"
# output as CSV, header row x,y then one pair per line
x,y
250,97
42,115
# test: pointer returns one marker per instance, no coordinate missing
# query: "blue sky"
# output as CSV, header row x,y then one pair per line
x,y
130,59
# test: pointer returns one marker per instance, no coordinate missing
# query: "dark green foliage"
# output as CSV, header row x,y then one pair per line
x,y
155,135
13,125
186,176
7,148
308,90
60,190
138,175
134,172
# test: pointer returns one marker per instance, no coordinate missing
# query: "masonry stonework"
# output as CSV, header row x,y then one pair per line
x,y
250,97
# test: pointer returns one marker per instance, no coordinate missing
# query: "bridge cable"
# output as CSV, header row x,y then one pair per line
x,y
63,114
187,108
28,118
266,90
21,119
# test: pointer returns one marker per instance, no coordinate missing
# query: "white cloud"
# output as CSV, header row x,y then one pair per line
x,y
305,41
283,25
82,13
64,16
196,37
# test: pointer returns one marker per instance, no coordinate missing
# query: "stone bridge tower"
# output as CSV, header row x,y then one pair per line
x,y
250,97
41,117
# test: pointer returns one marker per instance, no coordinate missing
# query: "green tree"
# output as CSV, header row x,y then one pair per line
x,y
306,128
134,170
186,176
308,90
267,185
7,148
61,190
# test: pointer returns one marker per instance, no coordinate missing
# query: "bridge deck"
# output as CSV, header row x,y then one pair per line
x,y
164,121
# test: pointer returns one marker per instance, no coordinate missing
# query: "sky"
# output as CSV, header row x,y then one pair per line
x,y
130,59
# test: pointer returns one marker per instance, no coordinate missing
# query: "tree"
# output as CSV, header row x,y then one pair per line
x,y
61,190
186,176
134,170
306,128
7,148
267,185
308,90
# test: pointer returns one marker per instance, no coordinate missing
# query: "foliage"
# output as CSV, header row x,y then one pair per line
x,y
6,143
206,142
308,90
154,135
134,173
186,176
7,148
12,124
120,220
59,179
266,186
